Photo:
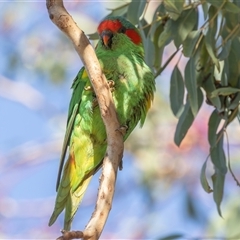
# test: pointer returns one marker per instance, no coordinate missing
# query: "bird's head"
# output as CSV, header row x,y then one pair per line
x,y
111,26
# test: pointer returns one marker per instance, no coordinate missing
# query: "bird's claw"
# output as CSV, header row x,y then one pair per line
x,y
122,129
111,85
88,88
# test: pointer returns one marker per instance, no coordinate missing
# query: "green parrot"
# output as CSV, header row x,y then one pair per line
x,y
121,56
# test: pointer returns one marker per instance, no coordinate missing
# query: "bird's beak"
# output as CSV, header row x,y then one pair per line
x,y
107,38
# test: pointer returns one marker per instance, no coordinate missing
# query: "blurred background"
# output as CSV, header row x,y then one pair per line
x,y
158,192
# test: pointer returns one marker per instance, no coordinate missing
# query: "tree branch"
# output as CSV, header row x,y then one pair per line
x,y
64,22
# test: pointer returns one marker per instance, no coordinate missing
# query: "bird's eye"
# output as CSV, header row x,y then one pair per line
x,y
122,30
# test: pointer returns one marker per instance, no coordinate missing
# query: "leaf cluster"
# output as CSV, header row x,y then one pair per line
x,y
207,33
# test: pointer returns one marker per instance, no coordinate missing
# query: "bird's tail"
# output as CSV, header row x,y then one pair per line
x,y
70,202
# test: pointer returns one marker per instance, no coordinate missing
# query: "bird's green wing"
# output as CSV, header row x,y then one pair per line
x,y
77,86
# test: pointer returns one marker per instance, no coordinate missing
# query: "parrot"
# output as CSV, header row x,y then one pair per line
x,y
120,53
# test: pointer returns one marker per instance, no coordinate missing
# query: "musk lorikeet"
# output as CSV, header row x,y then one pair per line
x,y
121,56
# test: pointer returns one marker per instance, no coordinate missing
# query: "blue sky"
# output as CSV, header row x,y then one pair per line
x,y
157,193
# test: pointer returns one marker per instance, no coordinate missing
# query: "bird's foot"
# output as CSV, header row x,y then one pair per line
x,y
88,88
122,129
111,85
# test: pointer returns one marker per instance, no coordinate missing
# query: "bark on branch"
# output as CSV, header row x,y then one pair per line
x,y
65,23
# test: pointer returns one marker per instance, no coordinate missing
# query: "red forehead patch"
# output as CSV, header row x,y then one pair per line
x,y
115,25
112,25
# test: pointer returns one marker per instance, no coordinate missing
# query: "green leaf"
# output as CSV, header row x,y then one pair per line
x,y
219,160
176,92
135,10
225,50
184,123
149,53
237,2
210,41
205,10
93,36
159,70
174,8
171,237
224,91
213,125
158,52
191,85
235,102
190,42
217,154
119,11
144,27
225,73
234,63
213,20
231,21
157,32
211,48
186,119
209,86
166,35
202,59
218,188
184,25
204,180
216,3
231,7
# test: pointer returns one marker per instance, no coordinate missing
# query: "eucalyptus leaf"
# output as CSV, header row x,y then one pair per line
x,y
204,180
210,41
217,154
213,125
232,21
224,91
184,123
176,92
190,43
235,102
144,27
209,86
218,180
225,50
167,35
231,7
216,3
174,8
237,2
158,52
186,119
93,36
191,85
184,25
234,63
135,10
211,48
150,53
119,11
172,237
205,10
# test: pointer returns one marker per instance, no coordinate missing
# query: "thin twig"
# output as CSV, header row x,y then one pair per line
x,y
64,21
